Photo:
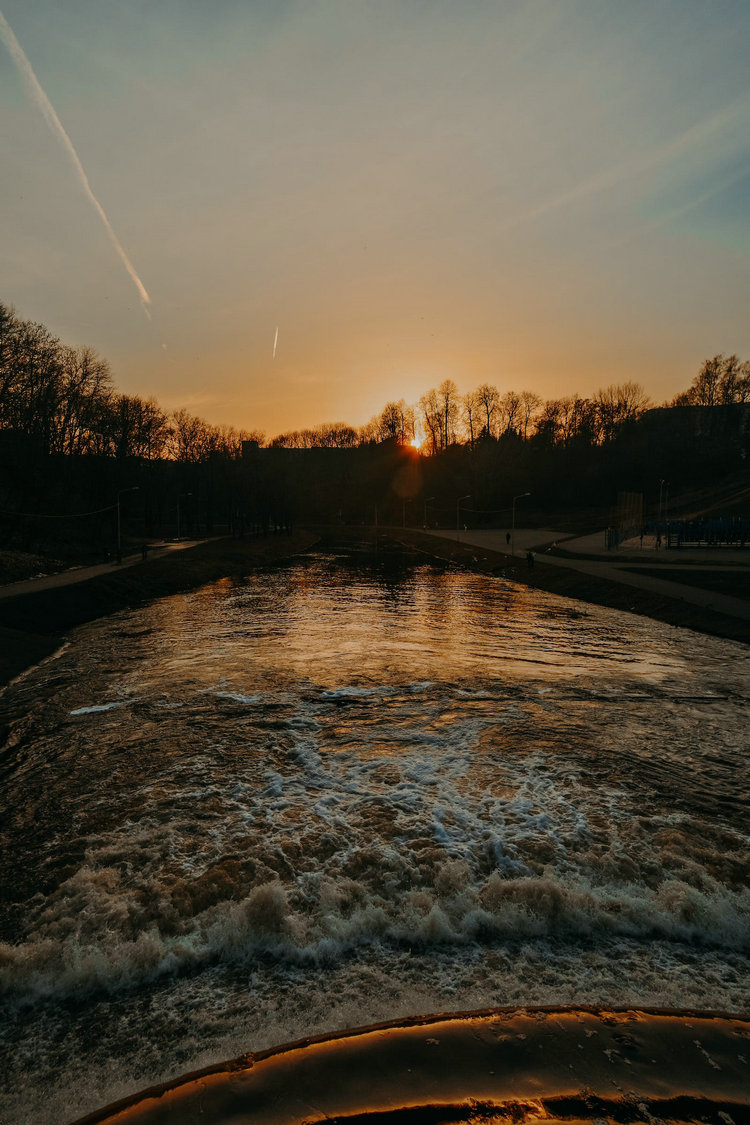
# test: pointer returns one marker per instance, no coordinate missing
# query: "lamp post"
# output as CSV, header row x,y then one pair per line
x,y
179,498
425,508
513,522
120,493
458,510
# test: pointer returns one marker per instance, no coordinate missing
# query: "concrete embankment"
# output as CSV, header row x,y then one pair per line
x,y
674,609
32,624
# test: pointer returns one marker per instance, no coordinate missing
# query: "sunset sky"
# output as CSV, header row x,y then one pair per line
x,y
550,195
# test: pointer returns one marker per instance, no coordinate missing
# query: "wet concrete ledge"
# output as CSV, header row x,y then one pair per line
x,y
32,625
504,1065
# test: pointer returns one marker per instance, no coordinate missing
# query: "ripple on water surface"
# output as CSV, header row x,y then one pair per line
x,y
330,795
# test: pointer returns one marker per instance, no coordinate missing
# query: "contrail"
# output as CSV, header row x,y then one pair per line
x,y
275,341
45,105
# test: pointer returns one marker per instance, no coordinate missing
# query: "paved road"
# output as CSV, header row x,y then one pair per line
x,y
610,569
83,573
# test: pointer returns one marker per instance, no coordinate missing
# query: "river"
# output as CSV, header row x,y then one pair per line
x,y
339,792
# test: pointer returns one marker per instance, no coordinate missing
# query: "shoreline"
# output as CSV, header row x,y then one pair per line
x,y
583,587
33,624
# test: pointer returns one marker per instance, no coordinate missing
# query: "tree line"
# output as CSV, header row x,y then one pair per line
x,y
443,417
64,400
74,452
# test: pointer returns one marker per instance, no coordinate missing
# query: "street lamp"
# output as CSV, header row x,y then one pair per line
x,y
425,508
458,510
513,521
121,492
179,498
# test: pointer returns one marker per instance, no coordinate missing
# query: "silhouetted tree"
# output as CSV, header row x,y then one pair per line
x,y
440,414
472,415
721,381
327,435
509,411
530,404
85,392
489,402
618,405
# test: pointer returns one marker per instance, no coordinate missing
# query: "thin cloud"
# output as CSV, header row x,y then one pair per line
x,y
643,163
40,98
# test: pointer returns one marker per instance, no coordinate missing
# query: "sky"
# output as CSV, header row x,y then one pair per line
x,y
277,213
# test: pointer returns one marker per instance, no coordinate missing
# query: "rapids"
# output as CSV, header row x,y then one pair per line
x,y
337,793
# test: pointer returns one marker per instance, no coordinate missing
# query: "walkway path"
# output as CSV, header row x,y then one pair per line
x,y
630,551
625,570
83,573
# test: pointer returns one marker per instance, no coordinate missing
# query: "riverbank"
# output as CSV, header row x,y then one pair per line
x,y
571,583
32,624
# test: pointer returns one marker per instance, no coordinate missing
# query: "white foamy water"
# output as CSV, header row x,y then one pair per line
x,y
331,795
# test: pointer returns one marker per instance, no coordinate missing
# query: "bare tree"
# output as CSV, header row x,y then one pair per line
x,y
548,425
31,379
734,385
335,435
190,438
10,333
395,422
564,420
617,405
370,432
327,435
722,380
509,411
472,415
451,410
86,384
489,402
432,416
579,420
530,404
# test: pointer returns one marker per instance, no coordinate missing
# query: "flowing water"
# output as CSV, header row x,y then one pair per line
x,y
334,793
